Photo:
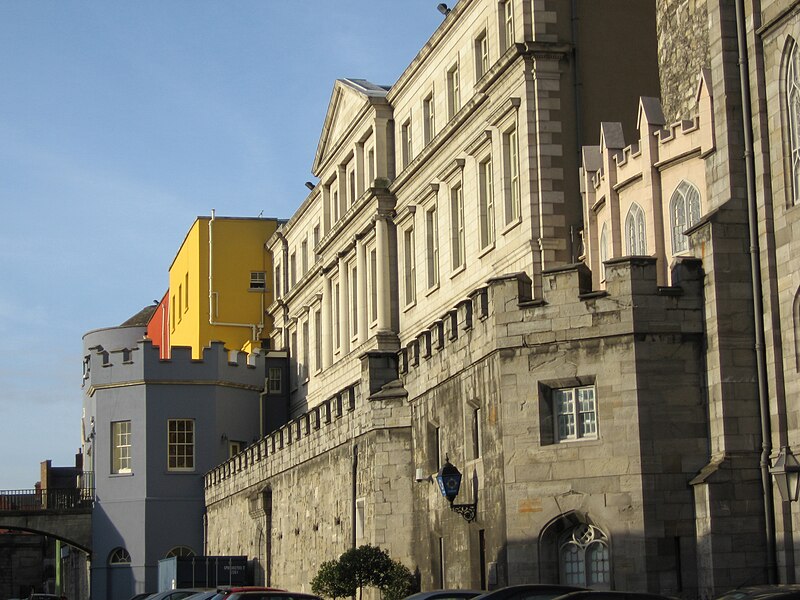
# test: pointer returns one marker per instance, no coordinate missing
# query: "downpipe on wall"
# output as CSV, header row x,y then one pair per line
x,y
758,302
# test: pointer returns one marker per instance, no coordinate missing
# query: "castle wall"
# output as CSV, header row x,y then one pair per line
x,y
337,476
638,345
640,348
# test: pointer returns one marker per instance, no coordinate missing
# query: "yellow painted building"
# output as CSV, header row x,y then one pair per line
x,y
220,284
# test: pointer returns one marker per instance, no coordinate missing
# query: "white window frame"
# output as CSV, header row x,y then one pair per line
x,y
793,117
119,556
407,142
432,245
258,280
121,445
352,281
511,175
603,251
184,444
275,380
481,54
457,234
574,416
635,231
684,211
372,258
453,91
508,24
428,119
409,266
486,202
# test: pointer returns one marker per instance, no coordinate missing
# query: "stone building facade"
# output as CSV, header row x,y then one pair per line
x,y
524,259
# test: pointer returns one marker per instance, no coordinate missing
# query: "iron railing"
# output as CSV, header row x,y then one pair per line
x,y
80,496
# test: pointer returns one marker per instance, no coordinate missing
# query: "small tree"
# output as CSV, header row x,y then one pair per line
x,y
361,567
328,581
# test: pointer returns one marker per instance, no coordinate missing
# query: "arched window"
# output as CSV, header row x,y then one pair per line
x,y
635,232
584,557
603,251
180,551
793,112
684,211
119,556
796,314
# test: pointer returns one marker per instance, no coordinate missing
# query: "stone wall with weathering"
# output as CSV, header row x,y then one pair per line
x,y
683,50
502,353
337,476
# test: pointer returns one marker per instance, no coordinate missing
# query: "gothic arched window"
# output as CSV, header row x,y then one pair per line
x,y
603,252
684,212
635,232
793,111
584,557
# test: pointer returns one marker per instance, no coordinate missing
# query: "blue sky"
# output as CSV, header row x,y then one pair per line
x,y
120,122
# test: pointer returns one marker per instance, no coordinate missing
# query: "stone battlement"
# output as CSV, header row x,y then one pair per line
x,y
503,315
337,421
626,184
142,364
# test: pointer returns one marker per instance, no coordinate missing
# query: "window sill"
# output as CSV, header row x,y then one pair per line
x,y
486,250
409,306
121,474
511,225
458,271
181,472
257,290
432,289
576,440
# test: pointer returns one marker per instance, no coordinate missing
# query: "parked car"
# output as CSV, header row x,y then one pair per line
x,y
530,591
611,595
203,595
141,596
178,594
255,593
272,596
224,592
445,595
763,592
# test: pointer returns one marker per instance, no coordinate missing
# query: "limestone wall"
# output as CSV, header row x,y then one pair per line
x,y
640,346
295,499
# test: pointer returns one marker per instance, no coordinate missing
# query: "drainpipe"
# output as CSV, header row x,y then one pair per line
x,y
213,297
758,302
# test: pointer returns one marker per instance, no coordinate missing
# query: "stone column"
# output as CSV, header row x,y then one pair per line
x,y
361,296
327,329
382,276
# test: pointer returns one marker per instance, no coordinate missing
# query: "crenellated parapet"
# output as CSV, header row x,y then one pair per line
x,y
502,316
141,364
640,198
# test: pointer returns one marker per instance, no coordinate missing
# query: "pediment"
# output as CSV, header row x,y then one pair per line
x,y
349,98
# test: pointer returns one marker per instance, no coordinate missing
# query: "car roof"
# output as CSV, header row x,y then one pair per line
x,y
550,589
610,595
754,592
451,593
